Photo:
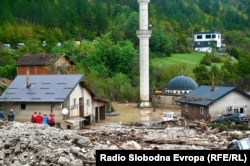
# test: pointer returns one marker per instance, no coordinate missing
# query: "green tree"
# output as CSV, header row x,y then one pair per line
x,y
161,75
229,72
123,90
244,66
131,27
7,63
202,75
160,42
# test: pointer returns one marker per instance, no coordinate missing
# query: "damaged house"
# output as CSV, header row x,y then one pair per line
x,y
65,95
207,102
37,64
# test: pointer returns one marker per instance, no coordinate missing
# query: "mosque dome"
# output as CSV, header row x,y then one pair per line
x,y
182,83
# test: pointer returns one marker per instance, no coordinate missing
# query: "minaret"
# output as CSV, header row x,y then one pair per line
x,y
144,34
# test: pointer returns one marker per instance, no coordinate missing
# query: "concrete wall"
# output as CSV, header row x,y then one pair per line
x,y
234,99
24,115
162,101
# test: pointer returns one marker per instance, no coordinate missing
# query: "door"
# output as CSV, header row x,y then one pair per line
x,y
81,107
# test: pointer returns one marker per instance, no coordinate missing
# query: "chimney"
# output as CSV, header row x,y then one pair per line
x,y
28,84
212,86
43,54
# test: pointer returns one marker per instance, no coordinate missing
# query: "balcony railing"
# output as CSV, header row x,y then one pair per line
x,y
143,32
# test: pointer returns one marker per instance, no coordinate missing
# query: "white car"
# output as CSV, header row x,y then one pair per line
x,y
169,116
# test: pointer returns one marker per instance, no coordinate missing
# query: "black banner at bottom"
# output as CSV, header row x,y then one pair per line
x,y
175,157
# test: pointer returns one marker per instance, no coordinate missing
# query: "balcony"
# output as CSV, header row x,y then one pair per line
x,y
143,32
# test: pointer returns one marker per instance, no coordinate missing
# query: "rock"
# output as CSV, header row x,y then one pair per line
x,y
131,145
83,142
1,155
74,150
76,162
63,160
214,131
17,149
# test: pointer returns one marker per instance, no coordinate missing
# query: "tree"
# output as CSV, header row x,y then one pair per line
x,y
161,75
160,42
244,66
131,27
202,75
229,72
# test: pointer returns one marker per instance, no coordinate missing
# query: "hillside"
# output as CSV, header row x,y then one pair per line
x,y
100,38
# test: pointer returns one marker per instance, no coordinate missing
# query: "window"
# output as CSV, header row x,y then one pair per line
x,y
208,36
201,110
88,102
199,37
186,108
74,101
213,36
73,104
23,106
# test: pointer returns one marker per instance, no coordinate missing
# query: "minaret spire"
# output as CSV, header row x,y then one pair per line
x,y
144,34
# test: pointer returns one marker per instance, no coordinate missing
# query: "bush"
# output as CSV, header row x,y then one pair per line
x,y
226,126
210,58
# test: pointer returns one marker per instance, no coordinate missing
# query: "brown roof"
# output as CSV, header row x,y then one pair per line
x,y
38,59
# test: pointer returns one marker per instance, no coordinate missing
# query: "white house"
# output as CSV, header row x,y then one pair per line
x,y
206,41
52,94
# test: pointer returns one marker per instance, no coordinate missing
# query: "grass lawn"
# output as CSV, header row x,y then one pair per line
x,y
191,59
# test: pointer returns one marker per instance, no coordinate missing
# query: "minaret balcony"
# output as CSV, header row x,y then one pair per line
x,y
143,32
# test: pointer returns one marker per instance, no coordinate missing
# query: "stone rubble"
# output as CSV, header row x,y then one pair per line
x,y
28,144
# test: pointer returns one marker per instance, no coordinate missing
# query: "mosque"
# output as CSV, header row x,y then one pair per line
x,y
176,88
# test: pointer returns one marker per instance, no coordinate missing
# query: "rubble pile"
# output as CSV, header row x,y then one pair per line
x,y
33,144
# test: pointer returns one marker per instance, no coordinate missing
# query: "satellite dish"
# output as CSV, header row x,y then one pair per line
x,y
65,111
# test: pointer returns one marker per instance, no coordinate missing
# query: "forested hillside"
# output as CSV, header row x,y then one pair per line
x,y
108,52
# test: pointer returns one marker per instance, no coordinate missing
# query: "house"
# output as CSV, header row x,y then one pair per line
x,y
67,96
37,64
206,41
207,102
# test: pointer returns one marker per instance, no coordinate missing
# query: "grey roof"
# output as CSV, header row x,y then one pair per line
x,y
204,96
182,83
44,88
209,32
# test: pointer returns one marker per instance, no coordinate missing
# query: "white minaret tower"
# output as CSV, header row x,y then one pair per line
x,y
144,34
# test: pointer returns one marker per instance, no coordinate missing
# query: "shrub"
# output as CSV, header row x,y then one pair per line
x,y
226,126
